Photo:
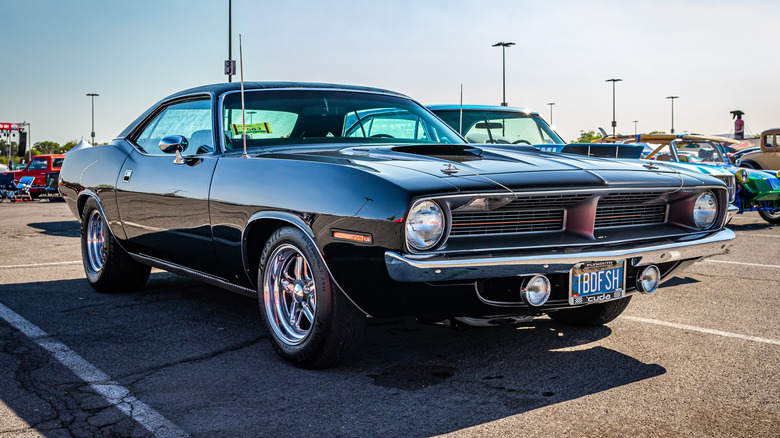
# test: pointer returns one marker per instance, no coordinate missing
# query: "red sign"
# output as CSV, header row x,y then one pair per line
x,y
9,126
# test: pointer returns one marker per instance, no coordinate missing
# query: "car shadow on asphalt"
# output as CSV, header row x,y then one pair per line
x,y
61,228
752,226
200,356
680,281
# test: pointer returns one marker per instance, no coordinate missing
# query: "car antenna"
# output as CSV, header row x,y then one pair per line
x,y
460,122
243,109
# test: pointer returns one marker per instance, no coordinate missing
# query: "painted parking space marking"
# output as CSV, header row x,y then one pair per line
x,y
741,263
41,265
117,395
703,330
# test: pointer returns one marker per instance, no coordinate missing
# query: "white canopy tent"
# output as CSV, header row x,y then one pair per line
x,y
81,145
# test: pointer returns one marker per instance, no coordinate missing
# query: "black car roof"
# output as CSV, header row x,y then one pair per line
x,y
218,89
233,86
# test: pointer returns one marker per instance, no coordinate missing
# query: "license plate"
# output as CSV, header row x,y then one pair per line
x,y
592,282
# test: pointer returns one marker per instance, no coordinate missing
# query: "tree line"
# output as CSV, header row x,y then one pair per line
x,y
39,148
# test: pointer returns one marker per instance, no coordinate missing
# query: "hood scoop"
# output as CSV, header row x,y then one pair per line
x,y
450,152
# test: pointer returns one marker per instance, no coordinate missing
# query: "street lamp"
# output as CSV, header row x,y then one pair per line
x,y
551,105
672,99
503,46
93,95
614,123
635,122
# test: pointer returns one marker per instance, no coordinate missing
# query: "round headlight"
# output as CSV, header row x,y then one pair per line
x,y
425,225
742,176
705,210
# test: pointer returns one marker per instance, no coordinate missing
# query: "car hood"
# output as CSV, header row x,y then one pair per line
x,y
471,168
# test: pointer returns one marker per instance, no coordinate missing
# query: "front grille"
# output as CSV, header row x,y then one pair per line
x,y
547,213
623,215
630,198
546,201
504,222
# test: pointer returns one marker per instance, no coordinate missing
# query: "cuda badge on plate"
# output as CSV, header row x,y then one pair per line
x,y
449,169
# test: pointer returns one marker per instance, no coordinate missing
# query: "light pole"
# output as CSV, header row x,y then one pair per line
x,y
230,38
503,46
614,123
635,122
672,99
93,95
551,105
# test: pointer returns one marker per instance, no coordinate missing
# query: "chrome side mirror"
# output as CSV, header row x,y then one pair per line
x,y
174,144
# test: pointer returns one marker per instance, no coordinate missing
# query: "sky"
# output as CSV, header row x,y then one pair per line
x,y
717,56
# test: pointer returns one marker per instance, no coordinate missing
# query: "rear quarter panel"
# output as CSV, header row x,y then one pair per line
x,y
94,171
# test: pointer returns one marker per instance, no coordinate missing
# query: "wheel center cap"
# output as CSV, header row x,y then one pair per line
x,y
298,291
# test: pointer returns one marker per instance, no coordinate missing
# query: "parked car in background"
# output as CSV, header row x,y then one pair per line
x,y
498,125
336,202
769,155
39,167
757,190
3,168
735,157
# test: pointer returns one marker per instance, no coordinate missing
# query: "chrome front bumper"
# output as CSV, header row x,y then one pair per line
x,y
732,210
408,268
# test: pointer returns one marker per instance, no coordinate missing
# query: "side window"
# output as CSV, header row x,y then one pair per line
x,y
191,119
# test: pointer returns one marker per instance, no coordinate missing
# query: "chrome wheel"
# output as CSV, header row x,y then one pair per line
x,y
96,254
290,295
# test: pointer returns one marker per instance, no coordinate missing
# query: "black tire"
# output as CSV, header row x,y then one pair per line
x,y
108,267
749,165
593,315
310,323
772,218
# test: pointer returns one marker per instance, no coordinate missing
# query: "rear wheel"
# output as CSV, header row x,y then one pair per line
x,y
772,218
593,315
108,267
309,321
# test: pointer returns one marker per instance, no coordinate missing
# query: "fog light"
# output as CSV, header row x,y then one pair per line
x,y
536,291
649,280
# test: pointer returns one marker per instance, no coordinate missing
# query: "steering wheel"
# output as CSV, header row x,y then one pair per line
x,y
522,142
381,136
496,141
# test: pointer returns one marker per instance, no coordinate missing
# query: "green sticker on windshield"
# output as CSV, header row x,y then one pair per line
x,y
255,128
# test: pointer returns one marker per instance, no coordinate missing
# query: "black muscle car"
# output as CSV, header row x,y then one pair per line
x,y
331,202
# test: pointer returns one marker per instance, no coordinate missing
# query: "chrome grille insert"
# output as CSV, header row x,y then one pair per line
x,y
622,209
504,222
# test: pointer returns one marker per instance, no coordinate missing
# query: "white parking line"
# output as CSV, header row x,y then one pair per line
x,y
703,330
119,396
39,265
741,263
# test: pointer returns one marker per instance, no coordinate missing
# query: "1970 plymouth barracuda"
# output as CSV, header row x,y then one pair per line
x,y
353,201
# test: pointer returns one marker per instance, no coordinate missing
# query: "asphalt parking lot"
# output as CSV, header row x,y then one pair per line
x,y
698,358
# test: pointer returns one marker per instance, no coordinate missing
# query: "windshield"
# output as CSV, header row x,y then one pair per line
x,y
699,152
501,127
289,117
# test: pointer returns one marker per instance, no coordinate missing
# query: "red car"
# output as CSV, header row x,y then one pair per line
x,y
38,167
